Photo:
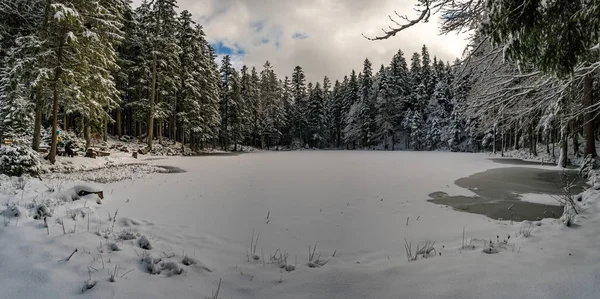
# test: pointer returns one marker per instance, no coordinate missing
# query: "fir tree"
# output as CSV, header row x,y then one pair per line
x,y
300,103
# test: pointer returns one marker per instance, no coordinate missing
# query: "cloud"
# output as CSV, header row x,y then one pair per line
x,y
322,36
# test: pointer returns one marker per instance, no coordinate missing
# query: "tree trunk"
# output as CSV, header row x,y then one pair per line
x,y
82,128
160,132
183,143
494,140
531,140
37,127
54,142
564,143
88,135
118,124
57,73
152,96
139,130
575,134
588,117
553,142
173,130
105,129
503,144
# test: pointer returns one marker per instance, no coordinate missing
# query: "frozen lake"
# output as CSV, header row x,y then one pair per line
x,y
349,201
360,205
355,203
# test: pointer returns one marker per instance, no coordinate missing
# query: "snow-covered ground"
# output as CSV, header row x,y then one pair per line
x,y
362,206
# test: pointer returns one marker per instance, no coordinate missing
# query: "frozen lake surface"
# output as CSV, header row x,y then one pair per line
x,y
362,206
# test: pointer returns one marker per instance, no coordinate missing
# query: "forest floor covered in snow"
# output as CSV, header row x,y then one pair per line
x,y
243,226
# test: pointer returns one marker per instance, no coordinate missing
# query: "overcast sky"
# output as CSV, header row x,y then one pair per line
x,y
322,36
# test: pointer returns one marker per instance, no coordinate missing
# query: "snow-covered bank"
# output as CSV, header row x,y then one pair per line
x,y
360,205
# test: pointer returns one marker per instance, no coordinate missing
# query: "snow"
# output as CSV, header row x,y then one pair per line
x,y
540,198
355,204
59,15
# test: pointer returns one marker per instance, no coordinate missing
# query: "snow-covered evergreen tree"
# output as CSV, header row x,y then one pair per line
x,y
316,116
367,104
416,130
300,104
351,111
387,109
271,110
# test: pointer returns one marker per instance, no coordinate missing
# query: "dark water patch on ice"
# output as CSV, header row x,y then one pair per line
x,y
499,189
498,209
515,161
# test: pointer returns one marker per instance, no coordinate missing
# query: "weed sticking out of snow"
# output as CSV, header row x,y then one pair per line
x,y
171,268
253,244
11,211
280,259
150,263
525,229
113,247
467,244
88,285
144,243
318,262
422,250
188,261
127,235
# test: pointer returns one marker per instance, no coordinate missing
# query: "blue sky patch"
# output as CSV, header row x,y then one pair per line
x,y
300,35
257,26
221,49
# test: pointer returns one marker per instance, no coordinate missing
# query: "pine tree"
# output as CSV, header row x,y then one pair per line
x,y
288,105
416,130
162,22
271,113
208,76
79,51
188,106
387,109
20,23
367,104
254,95
399,88
350,110
327,109
427,73
300,104
557,38
227,101
316,116
337,99
236,112
245,91
23,29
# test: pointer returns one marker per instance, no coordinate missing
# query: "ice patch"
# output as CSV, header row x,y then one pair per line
x,y
540,198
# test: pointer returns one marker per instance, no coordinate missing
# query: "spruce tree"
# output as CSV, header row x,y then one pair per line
x,y
367,104
337,100
227,101
316,116
300,104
